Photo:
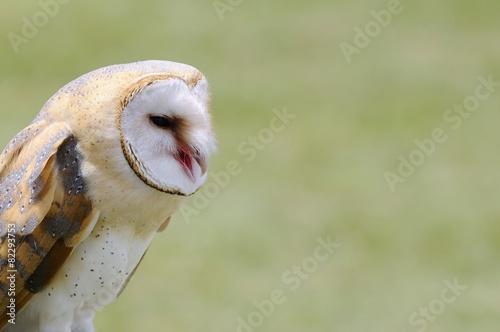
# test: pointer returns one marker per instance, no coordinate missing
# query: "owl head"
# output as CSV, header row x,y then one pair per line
x,y
152,114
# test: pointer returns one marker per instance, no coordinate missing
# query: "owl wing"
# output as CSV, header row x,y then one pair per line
x,y
44,210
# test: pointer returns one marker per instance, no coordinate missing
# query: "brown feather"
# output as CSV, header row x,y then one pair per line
x,y
44,209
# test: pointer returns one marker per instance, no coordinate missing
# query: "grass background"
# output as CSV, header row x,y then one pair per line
x,y
321,176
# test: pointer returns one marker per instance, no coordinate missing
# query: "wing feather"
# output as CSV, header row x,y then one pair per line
x,y
44,210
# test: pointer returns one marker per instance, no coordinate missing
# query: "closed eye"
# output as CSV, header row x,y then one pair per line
x,y
162,122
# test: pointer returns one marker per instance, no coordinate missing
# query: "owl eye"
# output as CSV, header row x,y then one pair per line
x,y
162,122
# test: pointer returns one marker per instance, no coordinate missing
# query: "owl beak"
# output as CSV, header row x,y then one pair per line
x,y
185,156
202,162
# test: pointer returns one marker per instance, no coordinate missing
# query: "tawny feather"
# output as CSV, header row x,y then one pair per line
x,y
43,208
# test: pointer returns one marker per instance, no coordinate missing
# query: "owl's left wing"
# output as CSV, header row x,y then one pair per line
x,y
44,210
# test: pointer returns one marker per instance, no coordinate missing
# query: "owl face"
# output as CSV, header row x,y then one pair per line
x,y
166,134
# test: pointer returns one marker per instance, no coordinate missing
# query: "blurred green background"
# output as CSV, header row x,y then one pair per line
x,y
322,176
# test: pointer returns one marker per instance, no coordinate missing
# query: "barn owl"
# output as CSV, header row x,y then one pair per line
x,y
85,187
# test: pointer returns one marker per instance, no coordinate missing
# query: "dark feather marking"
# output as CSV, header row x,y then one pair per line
x,y
4,288
69,160
21,269
30,225
36,189
47,267
34,244
60,226
72,211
